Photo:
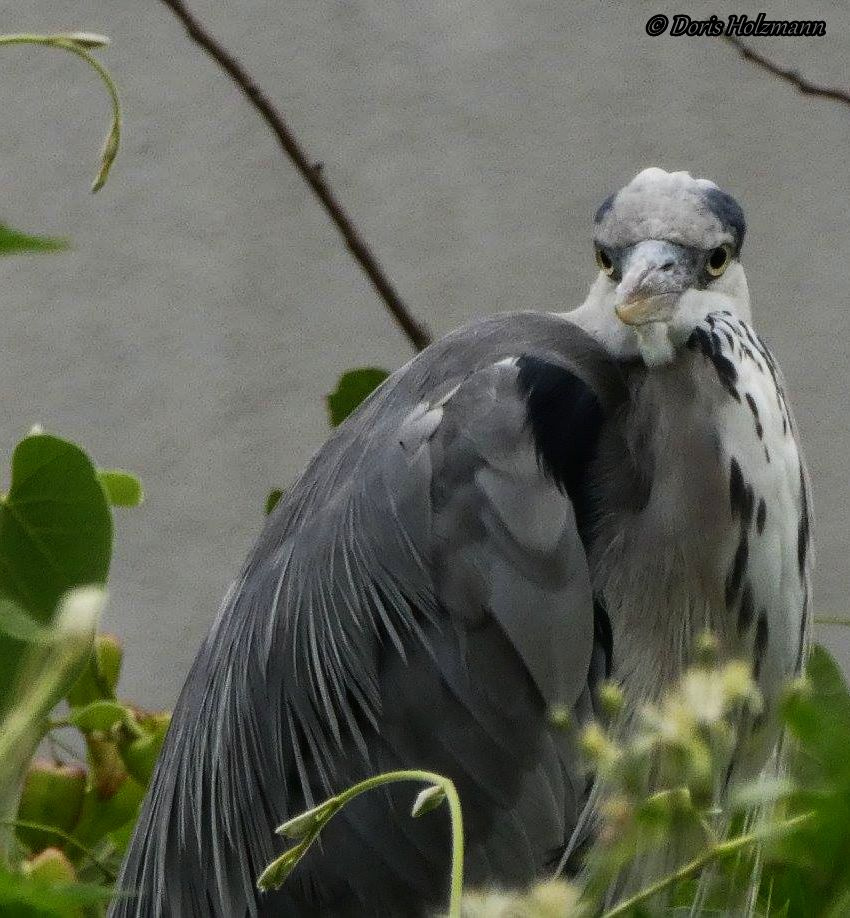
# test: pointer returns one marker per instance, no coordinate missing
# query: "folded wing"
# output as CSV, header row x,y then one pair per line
x,y
420,598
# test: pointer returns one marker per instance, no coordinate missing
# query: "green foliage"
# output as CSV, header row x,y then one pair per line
x,y
809,871
273,499
55,534
122,489
52,796
55,525
139,742
71,821
19,625
14,243
32,894
667,839
306,827
353,387
98,715
99,678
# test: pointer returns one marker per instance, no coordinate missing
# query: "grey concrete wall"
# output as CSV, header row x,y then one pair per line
x,y
207,305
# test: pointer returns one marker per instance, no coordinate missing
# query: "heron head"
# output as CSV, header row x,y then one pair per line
x,y
667,247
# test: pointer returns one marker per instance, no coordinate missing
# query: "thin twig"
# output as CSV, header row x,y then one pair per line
x,y
832,620
807,87
416,332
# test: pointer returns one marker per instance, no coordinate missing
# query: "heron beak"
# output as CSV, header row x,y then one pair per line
x,y
657,273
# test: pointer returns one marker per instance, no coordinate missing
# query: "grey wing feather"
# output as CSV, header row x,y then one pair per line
x,y
417,599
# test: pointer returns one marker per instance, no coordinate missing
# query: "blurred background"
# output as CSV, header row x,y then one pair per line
x,y
207,305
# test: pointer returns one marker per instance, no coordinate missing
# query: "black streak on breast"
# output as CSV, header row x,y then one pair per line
x,y
736,574
745,610
756,419
761,516
760,644
741,501
726,372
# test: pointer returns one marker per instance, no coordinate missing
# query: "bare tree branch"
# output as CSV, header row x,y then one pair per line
x,y
416,332
790,76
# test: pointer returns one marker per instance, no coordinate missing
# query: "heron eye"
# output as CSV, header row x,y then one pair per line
x,y
718,260
605,262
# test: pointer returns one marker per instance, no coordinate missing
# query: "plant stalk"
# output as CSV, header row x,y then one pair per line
x,y
333,805
67,43
714,852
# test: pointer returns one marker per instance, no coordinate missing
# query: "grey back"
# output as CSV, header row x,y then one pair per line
x,y
419,598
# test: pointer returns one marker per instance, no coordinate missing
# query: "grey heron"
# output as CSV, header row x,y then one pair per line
x,y
532,504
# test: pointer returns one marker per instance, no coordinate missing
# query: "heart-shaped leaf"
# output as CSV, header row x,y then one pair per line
x,y
353,387
55,535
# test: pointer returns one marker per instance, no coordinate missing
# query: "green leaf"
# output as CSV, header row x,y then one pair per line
x,y
99,715
122,488
16,623
273,499
809,869
12,242
55,525
27,896
353,387
55,535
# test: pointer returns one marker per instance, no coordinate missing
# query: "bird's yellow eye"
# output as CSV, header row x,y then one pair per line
x,y
605,262
718,260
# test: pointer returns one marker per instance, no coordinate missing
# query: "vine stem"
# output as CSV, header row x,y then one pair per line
x,y
335,804
455,814
716,851
415,330
80,48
